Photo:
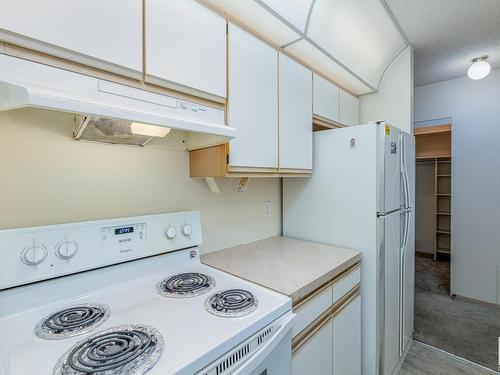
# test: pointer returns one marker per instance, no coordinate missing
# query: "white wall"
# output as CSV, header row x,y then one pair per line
x,y
48,178
475,109
393,100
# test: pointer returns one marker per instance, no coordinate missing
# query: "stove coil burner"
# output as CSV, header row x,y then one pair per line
x,y
131,350
72,321
231,303
185,285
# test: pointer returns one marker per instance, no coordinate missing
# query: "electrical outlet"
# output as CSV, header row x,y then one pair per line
x,y
242,185
267,208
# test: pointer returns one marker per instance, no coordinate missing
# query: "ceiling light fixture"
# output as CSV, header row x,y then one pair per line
x,y
149,130
479,69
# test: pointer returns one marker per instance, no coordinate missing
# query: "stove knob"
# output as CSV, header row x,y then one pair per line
x,y
187,230
66,249
34,254
171,232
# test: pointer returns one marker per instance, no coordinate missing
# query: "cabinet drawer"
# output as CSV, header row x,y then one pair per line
x,y
332,345
308,311
345,284
313,308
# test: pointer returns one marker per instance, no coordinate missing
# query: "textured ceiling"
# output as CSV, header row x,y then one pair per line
x,y
447,34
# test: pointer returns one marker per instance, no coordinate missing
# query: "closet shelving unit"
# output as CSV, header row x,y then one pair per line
x,y
442,188
433,144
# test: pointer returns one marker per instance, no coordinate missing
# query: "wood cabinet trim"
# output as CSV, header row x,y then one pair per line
x,y
294,170
137,81
331,282
236,169
57,52
149,78
213,162
433,142
308,332
208,162
446,128
321,123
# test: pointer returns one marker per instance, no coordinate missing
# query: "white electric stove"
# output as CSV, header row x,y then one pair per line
x,y
129,296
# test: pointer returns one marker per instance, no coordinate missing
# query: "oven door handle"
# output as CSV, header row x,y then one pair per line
x,y
253,362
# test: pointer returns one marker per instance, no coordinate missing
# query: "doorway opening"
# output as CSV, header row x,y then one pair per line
x,y
467,328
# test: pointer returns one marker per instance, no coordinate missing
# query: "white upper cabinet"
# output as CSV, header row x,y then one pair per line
x,y
295,115
103,34
186,46
252,100
349,109
332,103
326,99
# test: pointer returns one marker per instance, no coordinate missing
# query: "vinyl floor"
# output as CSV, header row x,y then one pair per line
x,y
426,360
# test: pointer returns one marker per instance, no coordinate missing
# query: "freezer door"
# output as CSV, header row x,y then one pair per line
x,y
391,291
389,160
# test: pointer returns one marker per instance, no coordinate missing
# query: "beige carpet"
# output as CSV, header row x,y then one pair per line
x,y
467,329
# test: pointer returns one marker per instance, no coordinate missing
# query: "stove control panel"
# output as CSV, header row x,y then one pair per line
x,y
171,232
187,230
66,249
119,235
40,253
34,254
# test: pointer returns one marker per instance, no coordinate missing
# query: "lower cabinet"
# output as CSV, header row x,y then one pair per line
x,y
315,355
331,344
347,339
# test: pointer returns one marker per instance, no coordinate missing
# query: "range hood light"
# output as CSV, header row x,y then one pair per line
x,y
149,130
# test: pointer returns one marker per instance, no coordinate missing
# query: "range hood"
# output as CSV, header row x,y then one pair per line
x,y
27,84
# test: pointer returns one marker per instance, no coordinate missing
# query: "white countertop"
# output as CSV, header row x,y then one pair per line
x,y
293,267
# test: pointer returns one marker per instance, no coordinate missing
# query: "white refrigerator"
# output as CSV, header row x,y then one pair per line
x,y
361,195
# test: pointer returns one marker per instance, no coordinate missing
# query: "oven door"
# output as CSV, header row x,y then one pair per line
x,y
275,357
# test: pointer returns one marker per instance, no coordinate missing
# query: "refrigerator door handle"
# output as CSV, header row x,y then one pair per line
x,y
380,311
406,188
406,231
402,277
403,231
404,171
401,302
407,182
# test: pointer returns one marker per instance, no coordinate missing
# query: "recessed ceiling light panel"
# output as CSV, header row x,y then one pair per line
x,y
479,69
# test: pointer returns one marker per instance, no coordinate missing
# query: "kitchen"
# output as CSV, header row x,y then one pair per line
x,y
202,158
